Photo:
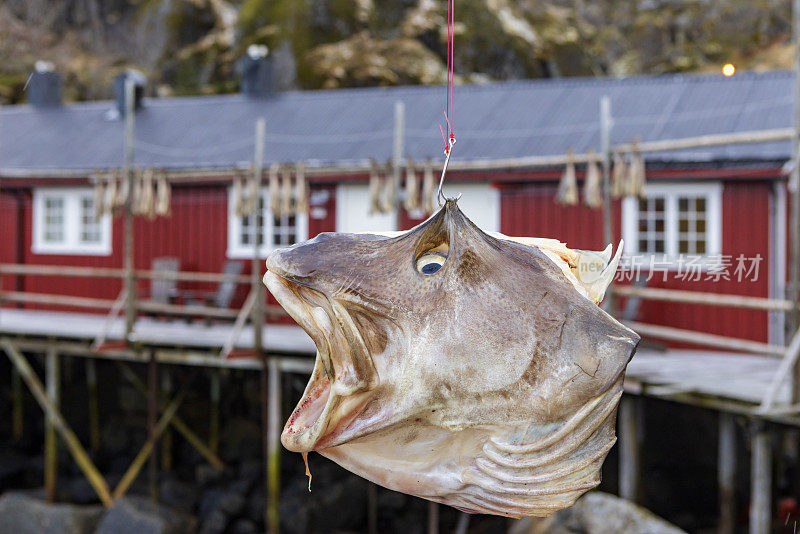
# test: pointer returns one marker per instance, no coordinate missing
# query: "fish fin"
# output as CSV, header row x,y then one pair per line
x,y
590,263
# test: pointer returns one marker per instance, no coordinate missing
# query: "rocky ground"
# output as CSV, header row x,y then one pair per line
x,y
191,46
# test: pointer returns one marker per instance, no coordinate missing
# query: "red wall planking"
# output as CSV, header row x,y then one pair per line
x,y
196,232
530,210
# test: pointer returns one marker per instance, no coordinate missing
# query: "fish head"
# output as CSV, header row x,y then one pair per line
x,y
434,342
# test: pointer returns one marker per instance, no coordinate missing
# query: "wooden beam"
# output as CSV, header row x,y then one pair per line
x,y
147,449
166,438
701,338
433,518
213,419
176,422
706,141
704,298
726,473
462,525
102,272
17,406
94,406
53,385
238,325
152,422
629,449
127,173
55,300
193,311
761,480
73,444
372,508
274,425
60,270
787,364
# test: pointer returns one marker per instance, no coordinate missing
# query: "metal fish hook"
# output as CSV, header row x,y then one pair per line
x,y
447,152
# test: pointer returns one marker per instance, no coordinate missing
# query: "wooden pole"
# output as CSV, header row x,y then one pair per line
x,y
53,384
372,508
629,457
94,407
726,473
761,480
433,518
166,438
794,269
462,526
213,420
255,274
605,149
17,406
152,420
130,301
274,425
397,153
73,444
148,448
271,518
177,423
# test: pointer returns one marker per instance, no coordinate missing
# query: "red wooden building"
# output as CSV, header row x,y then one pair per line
x,y
714,219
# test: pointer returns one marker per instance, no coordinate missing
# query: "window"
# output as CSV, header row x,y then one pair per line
x,y
674,220
281,231
64,223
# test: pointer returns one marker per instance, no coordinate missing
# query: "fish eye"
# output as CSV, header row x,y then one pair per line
x,y
430,262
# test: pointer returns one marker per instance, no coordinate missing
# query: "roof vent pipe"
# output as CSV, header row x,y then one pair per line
x,y
139,83
258,77
44,86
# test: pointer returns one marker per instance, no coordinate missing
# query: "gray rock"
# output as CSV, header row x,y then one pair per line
x,y
597,513
214,523
178,494
24,514
244,526
138,515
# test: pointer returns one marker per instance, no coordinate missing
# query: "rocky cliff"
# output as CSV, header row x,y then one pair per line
x,y
191,46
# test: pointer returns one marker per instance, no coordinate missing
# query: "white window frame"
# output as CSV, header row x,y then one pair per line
x,y
71,244
710,191
238,250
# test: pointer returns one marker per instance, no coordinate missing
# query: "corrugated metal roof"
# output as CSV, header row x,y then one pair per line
x,y
493,121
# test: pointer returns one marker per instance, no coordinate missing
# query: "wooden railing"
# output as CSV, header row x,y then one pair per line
x,y
114,307
789,354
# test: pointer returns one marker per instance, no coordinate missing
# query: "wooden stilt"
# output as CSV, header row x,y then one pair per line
x,y
372,508
73,444
177,423
462,526
761,480
726,473
629,457
17,406
152,417
433,518
148,448
213,421
166,438
94,407
53,384
274,424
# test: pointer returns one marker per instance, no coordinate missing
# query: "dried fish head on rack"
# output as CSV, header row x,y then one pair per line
x,y
470,369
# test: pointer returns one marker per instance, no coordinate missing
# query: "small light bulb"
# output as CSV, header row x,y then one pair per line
x,y
728,70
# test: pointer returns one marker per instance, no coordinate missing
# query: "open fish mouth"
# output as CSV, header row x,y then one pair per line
x,y
337,389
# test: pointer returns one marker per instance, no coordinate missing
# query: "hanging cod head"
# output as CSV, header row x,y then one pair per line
x,y
469,369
